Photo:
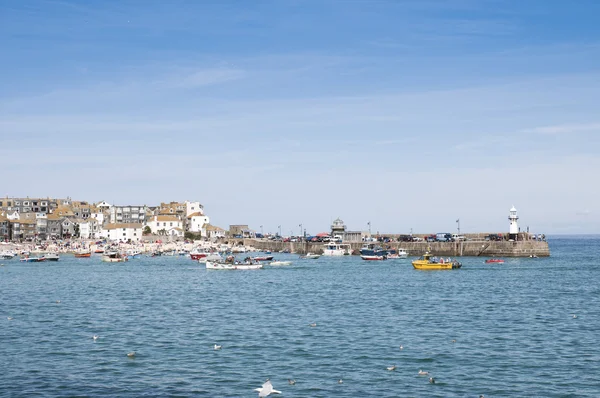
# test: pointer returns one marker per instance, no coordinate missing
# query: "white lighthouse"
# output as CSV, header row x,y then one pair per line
x,y
512,217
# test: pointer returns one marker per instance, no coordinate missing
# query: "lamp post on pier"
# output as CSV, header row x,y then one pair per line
x,y
300,225
369,224
458,225
279,226
261,230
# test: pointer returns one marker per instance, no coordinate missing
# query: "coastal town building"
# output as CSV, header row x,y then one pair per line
x,y
240,230
5,228
193,207
197,222
26,205
214,231
127,214
89,229
166,225
123,232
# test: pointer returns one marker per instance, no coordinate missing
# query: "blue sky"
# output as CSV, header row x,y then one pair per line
x,y
408,114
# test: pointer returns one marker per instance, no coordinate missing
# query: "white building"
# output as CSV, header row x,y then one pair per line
x,y
123,232
512,217
172,225
127,214
197,222
214,232
89,229
193,207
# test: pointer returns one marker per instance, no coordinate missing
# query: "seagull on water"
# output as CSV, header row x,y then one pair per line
x,y
454,341
95,337
312,325
291,382
340,381
131,354
217,347
391,368
423,373
266,389
401,347
574,316
431,380
57,301
10,318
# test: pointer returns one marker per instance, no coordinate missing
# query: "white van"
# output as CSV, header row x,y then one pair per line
x,y
457,237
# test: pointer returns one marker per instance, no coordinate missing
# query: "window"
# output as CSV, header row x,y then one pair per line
x,y
26,203
171,224
123,229
164,224
124,234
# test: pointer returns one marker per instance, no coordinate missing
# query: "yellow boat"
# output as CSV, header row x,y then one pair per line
x,y
427,261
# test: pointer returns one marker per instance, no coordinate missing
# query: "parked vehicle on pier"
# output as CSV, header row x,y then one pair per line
x,y
443,237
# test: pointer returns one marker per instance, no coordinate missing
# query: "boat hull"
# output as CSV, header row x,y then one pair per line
x,y
83,255
372,258
421,265
233,267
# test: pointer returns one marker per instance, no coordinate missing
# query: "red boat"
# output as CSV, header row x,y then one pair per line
x,y
494,260
198,256
263,258
373,257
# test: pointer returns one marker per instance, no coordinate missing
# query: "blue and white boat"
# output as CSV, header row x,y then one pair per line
x,y
372,250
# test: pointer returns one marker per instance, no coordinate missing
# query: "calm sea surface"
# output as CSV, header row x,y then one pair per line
x,y
514,326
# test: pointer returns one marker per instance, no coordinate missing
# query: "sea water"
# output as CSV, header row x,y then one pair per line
x,y
525,328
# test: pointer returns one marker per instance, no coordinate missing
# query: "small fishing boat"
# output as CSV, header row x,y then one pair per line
x,y
214,257
52,257
114,257
310,256
429,262
373,257
232,266
27,259
263,258
337,249
83,254
99,250
7,255
280,263
133,254
395,254
494,260
197,254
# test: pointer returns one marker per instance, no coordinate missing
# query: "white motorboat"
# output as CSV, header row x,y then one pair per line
x,y
114,257
280,263
337,249
7,255
214,257
310,256
395,254
232,266
52,257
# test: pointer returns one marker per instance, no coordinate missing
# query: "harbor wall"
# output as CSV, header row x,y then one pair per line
x,y
465,248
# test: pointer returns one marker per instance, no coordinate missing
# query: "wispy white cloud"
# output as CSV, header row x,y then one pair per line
x,y
565,129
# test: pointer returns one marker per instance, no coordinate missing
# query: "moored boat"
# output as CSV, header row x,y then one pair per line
x,y
214,257
114,257
310,256
27,259
263,258
395,254
494,260
83,254
337,249
231,264
373,257
429,262
372,249
197,254
52,257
